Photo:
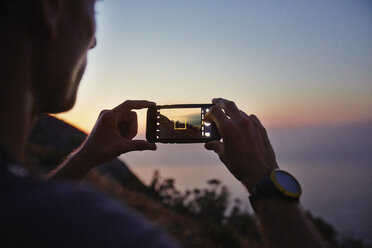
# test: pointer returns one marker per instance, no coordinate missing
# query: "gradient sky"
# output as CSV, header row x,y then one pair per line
x,y
292,63
289,62
190,116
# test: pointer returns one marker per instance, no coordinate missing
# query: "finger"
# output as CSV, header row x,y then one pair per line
x,y
243,113
103,112
133,125
263,132
129,125
215,146
133,104
230,108
256,121
216,115
139,145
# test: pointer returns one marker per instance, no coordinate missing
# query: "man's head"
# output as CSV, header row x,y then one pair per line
x,y
51,38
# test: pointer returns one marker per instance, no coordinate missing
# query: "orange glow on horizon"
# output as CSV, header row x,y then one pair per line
x,y
269,121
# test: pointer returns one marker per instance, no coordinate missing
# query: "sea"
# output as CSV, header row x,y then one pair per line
x,y
332,163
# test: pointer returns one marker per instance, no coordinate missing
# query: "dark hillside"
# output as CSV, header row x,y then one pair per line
x,y
194,218
52,140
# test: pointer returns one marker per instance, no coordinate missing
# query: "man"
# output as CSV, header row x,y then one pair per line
x,y
43,49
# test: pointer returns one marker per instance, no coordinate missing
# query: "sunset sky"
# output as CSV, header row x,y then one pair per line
x,y
300,66
292,63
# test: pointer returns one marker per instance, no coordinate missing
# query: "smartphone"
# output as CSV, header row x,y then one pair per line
x,y
181,123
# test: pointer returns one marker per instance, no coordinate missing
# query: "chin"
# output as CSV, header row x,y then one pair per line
x,y
60,106
68,106
61,96
67,100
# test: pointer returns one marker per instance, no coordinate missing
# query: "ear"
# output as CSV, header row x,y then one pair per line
x,y
50,13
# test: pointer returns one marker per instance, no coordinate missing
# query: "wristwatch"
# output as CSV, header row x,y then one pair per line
x,y
279,184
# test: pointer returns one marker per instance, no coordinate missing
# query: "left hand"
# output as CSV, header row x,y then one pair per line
x,y
113,134
245,150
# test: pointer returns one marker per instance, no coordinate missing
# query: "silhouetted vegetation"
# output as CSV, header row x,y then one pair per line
x,y
228,221
327,231
353,243
209,205
196,218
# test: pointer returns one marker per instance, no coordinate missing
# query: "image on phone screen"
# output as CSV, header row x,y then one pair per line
x,y
182,123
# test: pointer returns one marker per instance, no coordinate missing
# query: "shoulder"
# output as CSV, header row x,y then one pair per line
x,y
72,215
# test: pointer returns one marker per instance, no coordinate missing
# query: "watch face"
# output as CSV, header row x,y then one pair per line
x,y
286,183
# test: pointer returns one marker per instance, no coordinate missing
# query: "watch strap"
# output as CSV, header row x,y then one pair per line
x,y
265,188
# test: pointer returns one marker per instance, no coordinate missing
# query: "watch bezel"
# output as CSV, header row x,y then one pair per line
x,y
281,188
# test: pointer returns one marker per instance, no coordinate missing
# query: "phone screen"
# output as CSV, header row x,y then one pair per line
x,y
182,123
185,123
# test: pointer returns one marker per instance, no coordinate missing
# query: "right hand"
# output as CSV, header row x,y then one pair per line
x,y
245,150
113,134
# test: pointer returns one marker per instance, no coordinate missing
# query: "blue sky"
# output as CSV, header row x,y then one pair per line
x,y
289,62
292,63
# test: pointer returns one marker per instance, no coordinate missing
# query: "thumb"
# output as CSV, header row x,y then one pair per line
x,y
138,145
215,146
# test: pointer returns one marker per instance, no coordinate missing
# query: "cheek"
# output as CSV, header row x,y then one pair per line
x,y
86,39
78,72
